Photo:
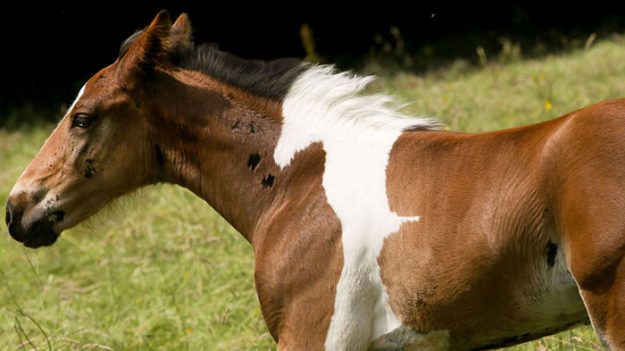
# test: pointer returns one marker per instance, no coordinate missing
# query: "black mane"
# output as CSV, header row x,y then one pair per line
x,y
126,44
270,79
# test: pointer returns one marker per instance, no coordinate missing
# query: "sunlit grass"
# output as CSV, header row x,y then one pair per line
x,y
164,272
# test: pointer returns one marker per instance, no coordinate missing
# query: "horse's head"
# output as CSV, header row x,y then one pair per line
x,y
101,149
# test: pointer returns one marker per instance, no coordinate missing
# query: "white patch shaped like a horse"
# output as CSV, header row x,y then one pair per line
x,y
357,134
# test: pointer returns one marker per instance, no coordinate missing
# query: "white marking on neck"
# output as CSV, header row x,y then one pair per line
x,y
357,133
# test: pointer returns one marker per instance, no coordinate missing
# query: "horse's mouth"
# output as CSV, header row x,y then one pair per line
x,y
34,235
41,239
40,235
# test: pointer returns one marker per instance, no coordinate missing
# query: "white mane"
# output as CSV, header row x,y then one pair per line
x,y
329,104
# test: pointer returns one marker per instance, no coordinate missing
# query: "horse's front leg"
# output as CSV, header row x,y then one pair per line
x,y
344,321
304,323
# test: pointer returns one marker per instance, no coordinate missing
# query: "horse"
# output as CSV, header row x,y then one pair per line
x,y
371,229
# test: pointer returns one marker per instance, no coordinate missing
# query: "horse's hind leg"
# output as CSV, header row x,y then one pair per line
x,y
593,224
604,297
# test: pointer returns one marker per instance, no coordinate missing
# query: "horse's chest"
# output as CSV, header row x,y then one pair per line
x,y
355,185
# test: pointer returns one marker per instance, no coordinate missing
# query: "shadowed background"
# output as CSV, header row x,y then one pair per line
x,y
50,49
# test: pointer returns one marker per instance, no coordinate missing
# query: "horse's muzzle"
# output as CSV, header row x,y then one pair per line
x,y
32,233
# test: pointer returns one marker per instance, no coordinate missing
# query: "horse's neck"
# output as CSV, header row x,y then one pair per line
x,y
218,142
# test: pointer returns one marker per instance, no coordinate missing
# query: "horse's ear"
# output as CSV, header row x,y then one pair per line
x,y
146,48
180,34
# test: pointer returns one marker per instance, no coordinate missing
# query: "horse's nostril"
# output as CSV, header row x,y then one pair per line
x,y
13,218
9,214
56,217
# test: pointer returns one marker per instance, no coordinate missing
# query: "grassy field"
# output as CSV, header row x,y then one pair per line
x,y
162,271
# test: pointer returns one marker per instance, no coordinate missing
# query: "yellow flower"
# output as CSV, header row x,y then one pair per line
x,y
548,105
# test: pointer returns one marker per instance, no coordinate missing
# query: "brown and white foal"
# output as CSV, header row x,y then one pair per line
x,y
370,228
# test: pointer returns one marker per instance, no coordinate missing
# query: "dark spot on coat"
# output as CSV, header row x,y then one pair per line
x,y
160,158
268,181
552,251
90,168
253,161
236,125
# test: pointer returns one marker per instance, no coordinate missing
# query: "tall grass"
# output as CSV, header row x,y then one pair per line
x,y
165,272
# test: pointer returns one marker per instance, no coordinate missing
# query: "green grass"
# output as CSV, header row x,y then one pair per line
x,y
164,272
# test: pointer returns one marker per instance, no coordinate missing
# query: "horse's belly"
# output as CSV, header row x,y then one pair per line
x,y
485,293
525,301
548,303
555,302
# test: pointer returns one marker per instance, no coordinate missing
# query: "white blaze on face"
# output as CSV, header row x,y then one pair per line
x,y
357,133
82,91
19,187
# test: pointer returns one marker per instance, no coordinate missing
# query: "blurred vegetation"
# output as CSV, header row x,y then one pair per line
x,y
391,53
308,43
36,105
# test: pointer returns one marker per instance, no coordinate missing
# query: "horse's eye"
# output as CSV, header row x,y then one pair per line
x,y
81,120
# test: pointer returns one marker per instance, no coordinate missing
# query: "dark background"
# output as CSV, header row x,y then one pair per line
x,y
49,50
